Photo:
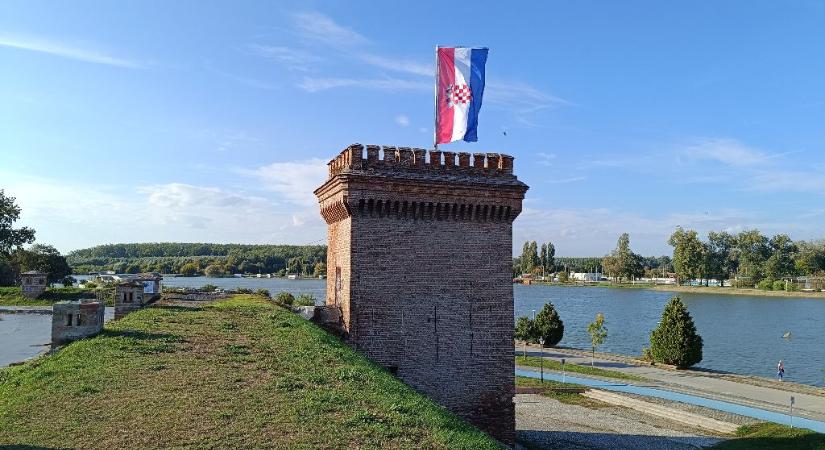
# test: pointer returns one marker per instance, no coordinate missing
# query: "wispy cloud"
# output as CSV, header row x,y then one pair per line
x,y
398,65
292,58
42,45
522,99
310,84
726,151
565,180
294,180
402,120
316,26
244,80
546,159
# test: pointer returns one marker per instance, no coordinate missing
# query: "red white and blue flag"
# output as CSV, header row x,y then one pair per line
x,y
459,89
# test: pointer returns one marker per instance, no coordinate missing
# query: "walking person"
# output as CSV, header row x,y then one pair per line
x,y
780,370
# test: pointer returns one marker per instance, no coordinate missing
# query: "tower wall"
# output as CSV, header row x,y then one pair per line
x,y
419,261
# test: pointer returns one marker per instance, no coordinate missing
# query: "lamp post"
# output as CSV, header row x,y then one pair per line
x,y
541,343
563,373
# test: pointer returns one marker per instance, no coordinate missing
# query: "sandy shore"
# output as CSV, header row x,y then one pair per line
x,y
736,291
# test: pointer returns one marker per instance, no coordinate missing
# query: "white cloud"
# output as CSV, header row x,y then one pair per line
x,y
402,120
42,45
292,58
310,84
398,65
295,181
318,27
546,159
726,151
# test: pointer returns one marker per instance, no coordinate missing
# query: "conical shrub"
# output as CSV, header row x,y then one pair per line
x,y
675,340
548,325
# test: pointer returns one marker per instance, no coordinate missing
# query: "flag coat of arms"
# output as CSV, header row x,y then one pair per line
x,y
459,89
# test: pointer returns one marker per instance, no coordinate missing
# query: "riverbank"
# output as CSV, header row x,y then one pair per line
x,y
735,291
13,296
240,373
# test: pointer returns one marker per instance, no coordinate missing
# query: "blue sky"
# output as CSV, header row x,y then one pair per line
x,y
140,121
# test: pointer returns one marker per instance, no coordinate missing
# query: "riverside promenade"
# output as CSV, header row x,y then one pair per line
x,y
754,392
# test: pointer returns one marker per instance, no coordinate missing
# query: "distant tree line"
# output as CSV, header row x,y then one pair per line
x,y
193,259
748,256
15,258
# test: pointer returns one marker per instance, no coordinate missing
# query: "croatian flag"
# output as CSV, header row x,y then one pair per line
x,y
458,92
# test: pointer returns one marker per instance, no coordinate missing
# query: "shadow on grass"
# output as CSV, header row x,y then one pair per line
x,y
533,439
142,335
30,447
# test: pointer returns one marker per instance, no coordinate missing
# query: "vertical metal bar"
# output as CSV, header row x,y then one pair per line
x,y
435,103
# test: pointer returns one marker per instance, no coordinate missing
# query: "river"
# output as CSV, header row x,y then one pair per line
x,y
742,334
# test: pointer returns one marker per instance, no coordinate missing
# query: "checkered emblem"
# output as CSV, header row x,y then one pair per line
x,y
458,94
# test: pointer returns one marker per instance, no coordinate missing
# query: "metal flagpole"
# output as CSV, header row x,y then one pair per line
x,y
435,103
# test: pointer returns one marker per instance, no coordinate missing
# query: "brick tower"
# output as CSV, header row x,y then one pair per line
x,y
420,264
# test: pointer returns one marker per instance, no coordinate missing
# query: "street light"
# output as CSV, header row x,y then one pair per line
x,y
541,342
563,373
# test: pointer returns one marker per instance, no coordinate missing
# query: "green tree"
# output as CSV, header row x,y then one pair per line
x,y
543,258
622,263
214,271
550,263
598,334
44,258
524,329
688,254
721,258
810,258
8,272
781,262
675,341
548,325
189,270
319,269
529,257
11,238
753,251
284,298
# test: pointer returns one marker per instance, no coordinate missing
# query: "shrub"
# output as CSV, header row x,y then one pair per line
x,y
647,355
791,287
548,325
779,285
675,340
742,283
304,300
68,281
264,293
209,288
90,285
243,291
564,277
524,329
765,285
284,299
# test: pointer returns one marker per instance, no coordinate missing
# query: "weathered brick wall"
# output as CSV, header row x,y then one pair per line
x,y
424,249
76,320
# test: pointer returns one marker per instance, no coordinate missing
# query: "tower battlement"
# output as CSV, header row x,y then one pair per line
x,y
389,158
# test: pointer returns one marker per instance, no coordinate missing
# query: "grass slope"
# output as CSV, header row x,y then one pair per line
x,y
556,391
241,373
13,296
550,364
771,436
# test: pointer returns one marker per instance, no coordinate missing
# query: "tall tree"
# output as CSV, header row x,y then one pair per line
x,y
11,238
598,334
781,262
622,262
721,258
675,341
543,258
753,251
550,263
44,258
811,257
688,254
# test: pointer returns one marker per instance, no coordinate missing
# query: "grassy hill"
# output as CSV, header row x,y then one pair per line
x,y
241,373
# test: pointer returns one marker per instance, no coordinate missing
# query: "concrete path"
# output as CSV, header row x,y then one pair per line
x,y
709,385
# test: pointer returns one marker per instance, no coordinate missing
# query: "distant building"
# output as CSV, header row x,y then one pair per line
x,y
128,298
33,283
151,284
586,276
76,320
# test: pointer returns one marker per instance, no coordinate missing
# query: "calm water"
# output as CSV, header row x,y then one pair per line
x,y
741,334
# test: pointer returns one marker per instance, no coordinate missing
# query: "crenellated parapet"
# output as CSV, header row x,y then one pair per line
x,y
389,158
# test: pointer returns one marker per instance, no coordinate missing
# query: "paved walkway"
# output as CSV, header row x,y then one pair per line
x,y
709,385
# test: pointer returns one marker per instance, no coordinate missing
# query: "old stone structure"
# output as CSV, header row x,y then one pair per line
x,y
420,265
151,284
128,297
76,320
33,283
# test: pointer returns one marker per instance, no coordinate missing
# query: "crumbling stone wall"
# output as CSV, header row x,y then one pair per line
x,y
419,261
128,298
33,283
76,320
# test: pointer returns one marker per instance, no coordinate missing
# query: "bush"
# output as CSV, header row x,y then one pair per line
x,y
304,300
779,285
675,340
548,325
68,281
742,283
647,355
243,291
791,287
765,285
524,329
209,288
564,277
284,299
263,293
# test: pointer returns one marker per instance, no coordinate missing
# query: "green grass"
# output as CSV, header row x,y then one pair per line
x,y
240,373
550,364
771,436
570,398
13,296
